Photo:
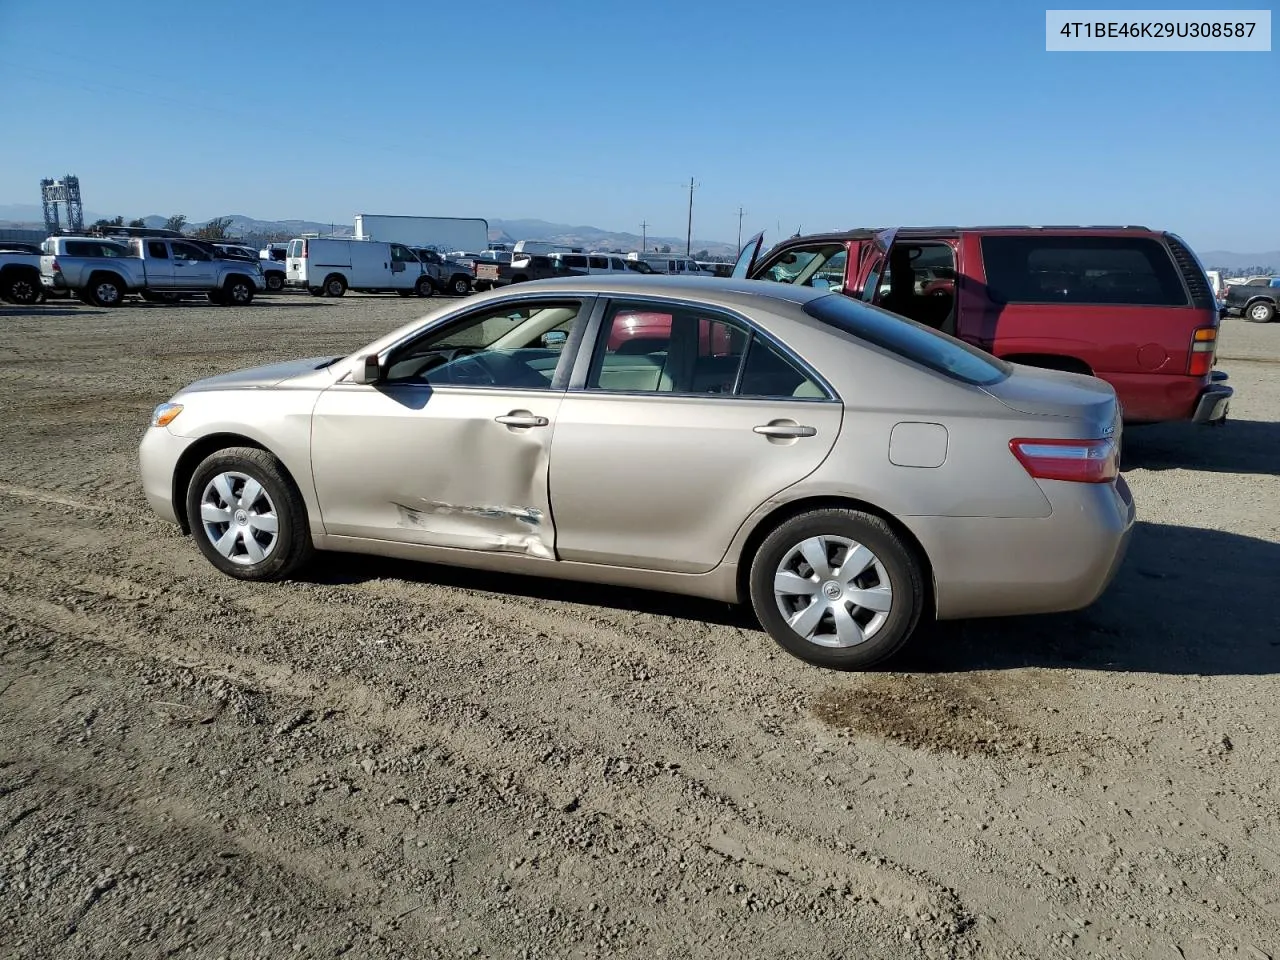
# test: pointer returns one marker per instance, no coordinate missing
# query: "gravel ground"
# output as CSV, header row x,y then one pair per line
x,y
397,760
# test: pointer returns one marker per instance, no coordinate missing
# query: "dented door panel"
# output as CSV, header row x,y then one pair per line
x,y
434,466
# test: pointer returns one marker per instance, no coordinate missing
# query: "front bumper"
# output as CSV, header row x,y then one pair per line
x,y
158,456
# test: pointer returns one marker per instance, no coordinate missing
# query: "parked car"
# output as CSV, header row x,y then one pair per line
x,y
328,267
273,271
20,276
453,276
849,472
1256,302
522,269
672,263
103,271
1129,305
590,263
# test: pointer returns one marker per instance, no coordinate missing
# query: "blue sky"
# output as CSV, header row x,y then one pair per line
x,y
811,117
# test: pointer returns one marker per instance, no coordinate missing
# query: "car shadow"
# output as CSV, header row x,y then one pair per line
x,y
47,311
1237,446
1186,601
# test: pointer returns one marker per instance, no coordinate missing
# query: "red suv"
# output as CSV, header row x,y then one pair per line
x,y
1129,305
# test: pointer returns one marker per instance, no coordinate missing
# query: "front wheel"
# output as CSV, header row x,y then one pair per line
x,y
837,588
238,292
1261,312
247,516
424,287
106,292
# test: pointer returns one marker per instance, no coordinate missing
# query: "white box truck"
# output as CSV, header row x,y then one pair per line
x,y
440,234
329,267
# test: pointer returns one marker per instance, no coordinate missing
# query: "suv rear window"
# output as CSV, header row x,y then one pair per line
x,y
1098,270
908,339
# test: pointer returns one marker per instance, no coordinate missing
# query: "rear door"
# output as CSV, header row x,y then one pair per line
x,y
667,441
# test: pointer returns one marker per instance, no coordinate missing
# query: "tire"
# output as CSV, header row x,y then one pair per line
x,y
275,282
106,290
22,288
316,291
893,564
254,551
460,286
1260,311
237,292
334,285
424,287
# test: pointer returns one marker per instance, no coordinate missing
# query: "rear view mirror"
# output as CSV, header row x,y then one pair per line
x,y
820,283
367,369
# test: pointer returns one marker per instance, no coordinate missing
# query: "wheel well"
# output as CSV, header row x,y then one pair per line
x,y
22,269
786,511
1261,298
192,457
1050,361
108,275
232,277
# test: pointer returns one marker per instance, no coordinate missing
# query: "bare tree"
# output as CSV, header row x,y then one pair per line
x,y
215,229
176,222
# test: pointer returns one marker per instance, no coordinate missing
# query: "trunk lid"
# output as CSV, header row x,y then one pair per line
x,y
1060,395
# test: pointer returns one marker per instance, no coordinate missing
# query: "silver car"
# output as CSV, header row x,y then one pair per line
x,y
846,471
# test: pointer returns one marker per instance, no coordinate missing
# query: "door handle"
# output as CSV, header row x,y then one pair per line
x,y
515,419
785,430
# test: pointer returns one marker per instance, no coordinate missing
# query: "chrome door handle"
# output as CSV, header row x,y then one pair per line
x,y
522,420
785,430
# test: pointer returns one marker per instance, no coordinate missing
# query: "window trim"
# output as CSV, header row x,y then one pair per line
x,y
559,379
595,340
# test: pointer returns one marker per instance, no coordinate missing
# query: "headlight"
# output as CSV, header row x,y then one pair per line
x,y
164,414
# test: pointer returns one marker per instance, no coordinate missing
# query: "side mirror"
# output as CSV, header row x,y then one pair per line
x,y
367,369
554,338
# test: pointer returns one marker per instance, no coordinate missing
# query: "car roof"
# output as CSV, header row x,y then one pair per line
x,y
641,285
930,233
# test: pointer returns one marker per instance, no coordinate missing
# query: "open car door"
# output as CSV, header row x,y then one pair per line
x,y
875,259
747,257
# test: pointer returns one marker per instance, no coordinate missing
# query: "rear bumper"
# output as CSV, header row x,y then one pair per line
x,y
991,567
1214,402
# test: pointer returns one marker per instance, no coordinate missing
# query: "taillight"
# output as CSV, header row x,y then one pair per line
x,y
304,249
55,267
1204,344
1080,461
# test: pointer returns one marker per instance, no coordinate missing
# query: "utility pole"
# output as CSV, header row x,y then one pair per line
x,y
739,229
644,236
688,237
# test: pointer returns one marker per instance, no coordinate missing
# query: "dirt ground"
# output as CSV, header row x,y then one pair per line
x,y
397,760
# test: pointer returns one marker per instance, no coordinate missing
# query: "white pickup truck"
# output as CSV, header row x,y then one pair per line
x,y
103,271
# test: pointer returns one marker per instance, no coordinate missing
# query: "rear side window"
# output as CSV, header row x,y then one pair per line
x,y
908,339
1136,271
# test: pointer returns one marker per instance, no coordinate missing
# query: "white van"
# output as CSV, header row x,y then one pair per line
x,y
672,263
591,263
329,267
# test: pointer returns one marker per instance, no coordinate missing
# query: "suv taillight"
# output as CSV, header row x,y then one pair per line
x,y
54,266
1079,461
1204,346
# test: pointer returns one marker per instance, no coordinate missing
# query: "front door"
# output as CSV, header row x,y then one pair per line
x,y
450,448
406,268
193,269
687,420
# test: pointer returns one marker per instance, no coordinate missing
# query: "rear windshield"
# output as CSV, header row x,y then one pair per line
x,y
1137,271
908,339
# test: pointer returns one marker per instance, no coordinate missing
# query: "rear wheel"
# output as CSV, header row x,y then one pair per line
x,y
1260,312
275,282
247,516
334,286
106,291
837,588
460,286
238,292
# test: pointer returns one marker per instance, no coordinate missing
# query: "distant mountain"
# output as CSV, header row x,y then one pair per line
x,y
1225,260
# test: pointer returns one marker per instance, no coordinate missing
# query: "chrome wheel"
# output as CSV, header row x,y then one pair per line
x,y
106,293
239,518
240,293
1260,312
833,591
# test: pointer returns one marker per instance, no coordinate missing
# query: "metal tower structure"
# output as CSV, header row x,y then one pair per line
x,y
67,192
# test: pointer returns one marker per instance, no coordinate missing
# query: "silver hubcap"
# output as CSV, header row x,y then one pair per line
x,y
107,293
239,292
239,518
833,591
1259,311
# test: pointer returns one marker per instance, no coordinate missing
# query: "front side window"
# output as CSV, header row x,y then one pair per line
x,y
599,263
659,348
517,347
800,265
157,250
1136,271
402,254
187,251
